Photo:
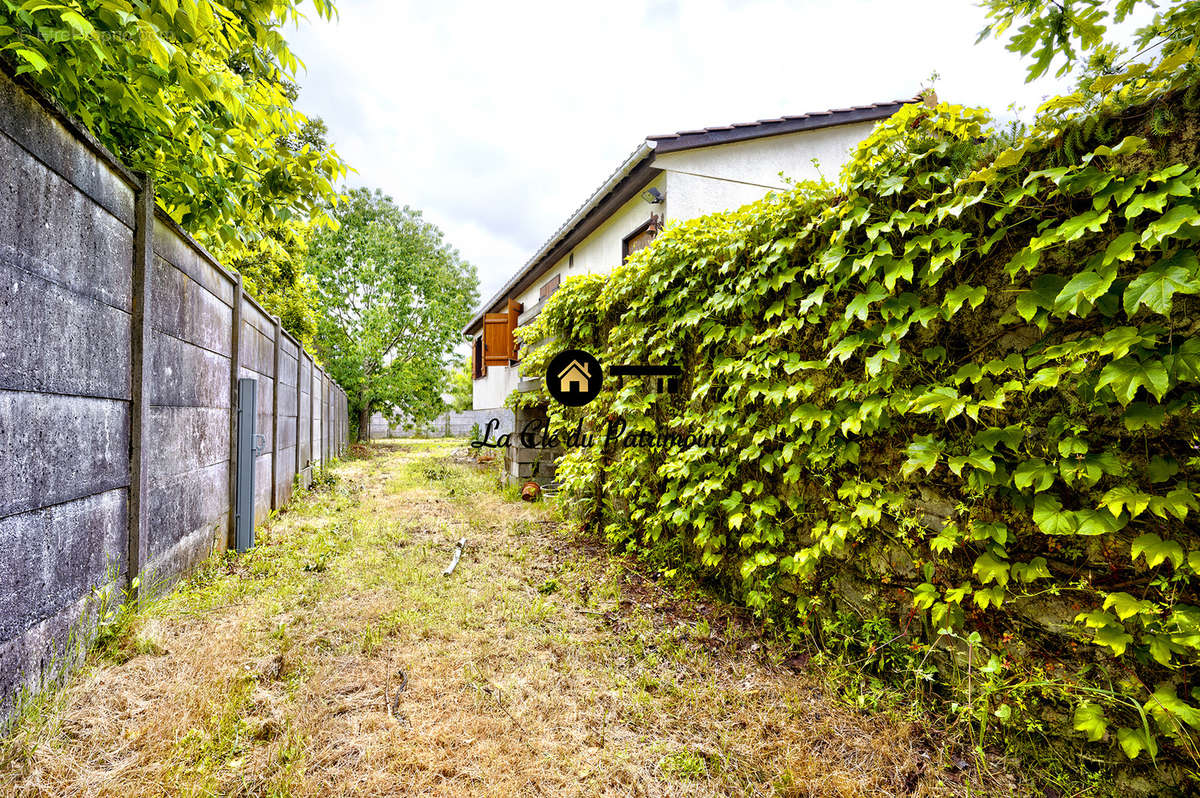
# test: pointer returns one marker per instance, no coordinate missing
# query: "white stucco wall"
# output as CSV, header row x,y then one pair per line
x,y
695,182
727,176
600,253
491,390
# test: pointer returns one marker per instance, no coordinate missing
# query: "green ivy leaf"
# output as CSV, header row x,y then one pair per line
x,y
1160,469
1140,415
1082,291
1126,606
1121,248
956,296
860,306
1165,704
1041,294
1115,637
1134,741
1092,522
1127,498
1034,473
1031,571
992,596
1162,648
1169,224
1128,374
1156,550
1155,287
1089,719
922,453
990,569
980,459
1076,226
1177,503
925,595
1184,364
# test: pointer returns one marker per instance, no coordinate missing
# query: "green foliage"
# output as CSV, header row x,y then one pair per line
x,y
461,386
962,383
1047,30
392,297
199,94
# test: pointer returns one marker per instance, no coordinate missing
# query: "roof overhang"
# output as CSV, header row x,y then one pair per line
x,y
728,134
638,171
623,185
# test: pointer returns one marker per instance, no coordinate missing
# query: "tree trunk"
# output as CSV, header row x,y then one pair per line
x,y
364,423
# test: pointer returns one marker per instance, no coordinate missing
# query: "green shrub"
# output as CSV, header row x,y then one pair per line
x,y
957,391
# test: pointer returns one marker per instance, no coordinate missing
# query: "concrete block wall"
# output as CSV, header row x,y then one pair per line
x,y
121,341
66,261
451,424
304,439
287,408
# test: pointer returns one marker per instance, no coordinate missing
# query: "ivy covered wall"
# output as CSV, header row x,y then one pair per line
x,y
954,394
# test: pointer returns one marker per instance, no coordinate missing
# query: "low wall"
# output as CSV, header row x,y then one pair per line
x,y
451,424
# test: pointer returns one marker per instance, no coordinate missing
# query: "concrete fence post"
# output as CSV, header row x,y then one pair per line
x,y
139,384
275,420
299,393
235,356
312,447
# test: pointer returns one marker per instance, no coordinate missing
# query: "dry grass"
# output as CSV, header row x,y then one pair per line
x,y
541,667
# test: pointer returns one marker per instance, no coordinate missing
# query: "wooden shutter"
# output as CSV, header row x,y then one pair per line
x,y
549,287
497,341
514,313
499,346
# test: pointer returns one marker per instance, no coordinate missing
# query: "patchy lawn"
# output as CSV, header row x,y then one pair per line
x,y
336,659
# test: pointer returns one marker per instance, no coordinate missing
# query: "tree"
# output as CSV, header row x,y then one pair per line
x,y
1049,29
461,385
200,94
392,299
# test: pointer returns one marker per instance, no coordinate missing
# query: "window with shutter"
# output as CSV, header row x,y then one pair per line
x,y
499,346
514,313
640,238
478,367
496,339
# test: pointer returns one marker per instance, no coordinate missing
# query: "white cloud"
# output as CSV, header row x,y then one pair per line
x,y
499,119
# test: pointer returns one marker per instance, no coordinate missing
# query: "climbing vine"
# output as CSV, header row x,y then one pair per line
x,y
958,389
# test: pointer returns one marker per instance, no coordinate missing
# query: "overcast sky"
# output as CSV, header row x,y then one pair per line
x,y
499,119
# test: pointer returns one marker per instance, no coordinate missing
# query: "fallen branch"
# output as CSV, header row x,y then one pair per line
x,y
458,550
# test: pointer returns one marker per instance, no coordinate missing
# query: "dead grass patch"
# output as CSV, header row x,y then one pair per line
x,y
335,659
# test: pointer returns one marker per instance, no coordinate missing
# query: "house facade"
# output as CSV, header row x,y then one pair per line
x,y
677,176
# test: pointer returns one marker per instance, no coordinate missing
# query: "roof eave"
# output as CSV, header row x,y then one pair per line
x,y
641,157
710,137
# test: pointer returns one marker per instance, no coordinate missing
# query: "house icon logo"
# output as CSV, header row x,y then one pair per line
x,y
573,377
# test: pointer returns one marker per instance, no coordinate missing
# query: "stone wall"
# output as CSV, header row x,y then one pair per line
x,y
451,424
121,341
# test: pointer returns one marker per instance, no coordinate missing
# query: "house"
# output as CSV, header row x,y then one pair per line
x,y
677,176
574,378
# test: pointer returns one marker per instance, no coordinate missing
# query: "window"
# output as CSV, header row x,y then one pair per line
x,y
499,346
478,367
549,287
640,238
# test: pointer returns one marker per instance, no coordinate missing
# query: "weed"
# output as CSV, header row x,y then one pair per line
x,y
684,764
